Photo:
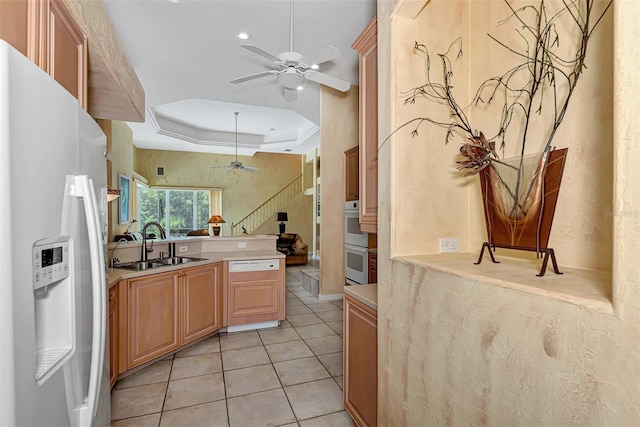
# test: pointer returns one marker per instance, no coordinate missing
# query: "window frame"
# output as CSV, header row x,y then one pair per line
x,y
167,212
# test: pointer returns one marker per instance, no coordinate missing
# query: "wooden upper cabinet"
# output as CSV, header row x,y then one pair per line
x,y
14,23
45,32
352,190
67,52
367,47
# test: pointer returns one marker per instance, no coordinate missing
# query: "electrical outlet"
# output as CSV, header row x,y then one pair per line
x,y
242,244
449,244
183,248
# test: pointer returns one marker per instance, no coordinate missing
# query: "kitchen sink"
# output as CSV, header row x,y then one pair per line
x,y
157,263
138,265
178,260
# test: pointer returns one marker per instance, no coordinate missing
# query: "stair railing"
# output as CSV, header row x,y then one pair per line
x,y
268,209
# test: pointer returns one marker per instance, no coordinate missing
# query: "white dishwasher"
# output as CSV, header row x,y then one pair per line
x,y
256,299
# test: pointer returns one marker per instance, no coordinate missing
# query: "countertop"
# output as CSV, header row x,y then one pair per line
x,y
366,294
116,274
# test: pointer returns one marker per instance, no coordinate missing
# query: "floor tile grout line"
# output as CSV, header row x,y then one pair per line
x,y
278,377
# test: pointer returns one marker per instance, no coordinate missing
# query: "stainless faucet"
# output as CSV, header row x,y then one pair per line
x,y
144,238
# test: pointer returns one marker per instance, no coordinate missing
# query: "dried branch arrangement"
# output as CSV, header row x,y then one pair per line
x,y
543,79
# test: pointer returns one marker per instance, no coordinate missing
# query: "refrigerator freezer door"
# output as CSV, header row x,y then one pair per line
x,y
39,147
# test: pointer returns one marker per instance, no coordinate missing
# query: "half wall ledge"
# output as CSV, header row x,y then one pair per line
x,y
584,288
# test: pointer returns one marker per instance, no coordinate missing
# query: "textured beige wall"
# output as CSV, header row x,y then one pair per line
x,y
122,162
339,115
455,350
299,211
241,191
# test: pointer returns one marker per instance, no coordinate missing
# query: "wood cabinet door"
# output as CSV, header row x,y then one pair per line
x,y
367,47
253,297
17,25
352,174
113,334
153,317
360,362
67,55
200,299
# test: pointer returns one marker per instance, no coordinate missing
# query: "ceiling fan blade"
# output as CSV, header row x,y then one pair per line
x,y
251,77
327,80
251,169
255,49
290,95
319,56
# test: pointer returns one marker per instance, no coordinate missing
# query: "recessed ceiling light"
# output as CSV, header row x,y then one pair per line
x,y
244,36
300,88
174,1
314,67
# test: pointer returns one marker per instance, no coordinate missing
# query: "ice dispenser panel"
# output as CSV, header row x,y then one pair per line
x,y
54,298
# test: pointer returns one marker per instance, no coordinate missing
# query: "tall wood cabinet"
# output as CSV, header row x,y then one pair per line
x,y
45,32
360,362
352,190
367,47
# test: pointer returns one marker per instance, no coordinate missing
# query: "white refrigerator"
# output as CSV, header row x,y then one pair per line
x,y
53,293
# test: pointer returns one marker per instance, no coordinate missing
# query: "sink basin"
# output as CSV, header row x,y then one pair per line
x,y
138,265
157,263
179,260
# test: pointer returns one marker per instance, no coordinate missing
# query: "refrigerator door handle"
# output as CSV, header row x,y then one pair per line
x,y
84,189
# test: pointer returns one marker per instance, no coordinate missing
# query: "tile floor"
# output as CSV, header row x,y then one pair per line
x,y
285,376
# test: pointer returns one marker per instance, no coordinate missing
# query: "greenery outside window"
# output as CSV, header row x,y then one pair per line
x,y
178,210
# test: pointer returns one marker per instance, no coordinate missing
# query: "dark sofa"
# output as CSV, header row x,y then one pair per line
x,y
294,248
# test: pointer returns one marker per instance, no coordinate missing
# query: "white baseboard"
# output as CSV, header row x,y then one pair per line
x,y
330,297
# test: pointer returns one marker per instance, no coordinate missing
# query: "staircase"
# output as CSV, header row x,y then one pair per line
x,y
269,208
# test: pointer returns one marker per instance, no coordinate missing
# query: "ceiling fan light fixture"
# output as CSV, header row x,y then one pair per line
x,y
244,35
291,79
300,88
314,66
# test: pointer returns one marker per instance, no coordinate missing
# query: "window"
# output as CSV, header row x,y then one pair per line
x,y
177,210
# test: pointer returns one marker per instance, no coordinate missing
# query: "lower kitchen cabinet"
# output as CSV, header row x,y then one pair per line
x,y
153,315
201,302
168,310
360,362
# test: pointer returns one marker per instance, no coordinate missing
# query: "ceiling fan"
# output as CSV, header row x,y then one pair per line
x,y
234,165
293,69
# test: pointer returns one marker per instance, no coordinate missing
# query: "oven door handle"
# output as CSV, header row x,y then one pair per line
x,y
353,248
